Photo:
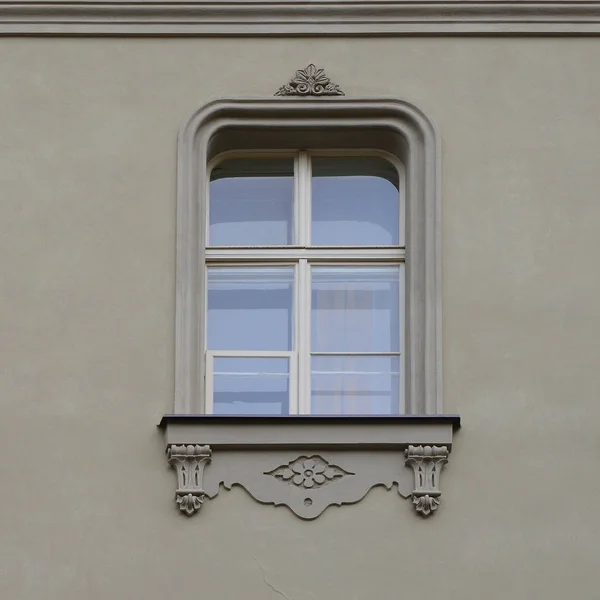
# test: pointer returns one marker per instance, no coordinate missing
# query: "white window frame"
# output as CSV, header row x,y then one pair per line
x,y
210,369
304,257
396,124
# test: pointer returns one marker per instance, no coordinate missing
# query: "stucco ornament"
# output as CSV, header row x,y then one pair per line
x,y
307,484
308,473
427,463
310,81
189,460
308,464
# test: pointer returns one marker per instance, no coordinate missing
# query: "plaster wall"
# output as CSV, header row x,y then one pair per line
x,y
87,220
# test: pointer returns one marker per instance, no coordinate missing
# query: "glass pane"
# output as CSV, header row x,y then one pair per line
x,y
250,308
251,386
355,385
355,202
355,309
252,202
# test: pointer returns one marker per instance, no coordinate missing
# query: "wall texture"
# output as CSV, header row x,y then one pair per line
x,y
87,219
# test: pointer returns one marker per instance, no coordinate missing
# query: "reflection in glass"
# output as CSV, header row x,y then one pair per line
x,y
355,309
251,386
355,385
251,202
355,202
250,308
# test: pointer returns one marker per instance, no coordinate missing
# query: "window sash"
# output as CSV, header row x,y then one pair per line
x,y
301,355
302,191
303,256
211,355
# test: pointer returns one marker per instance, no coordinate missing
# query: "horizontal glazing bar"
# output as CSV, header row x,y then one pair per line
x,y
364,254
250,374
355,372
250,353
356,353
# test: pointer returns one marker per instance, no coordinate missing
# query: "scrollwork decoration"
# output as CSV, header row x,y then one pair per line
x,y
310,81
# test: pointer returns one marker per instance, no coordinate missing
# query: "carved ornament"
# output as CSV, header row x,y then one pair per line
x,y
310,81
307,473
306,484
427,463
189,460
308,464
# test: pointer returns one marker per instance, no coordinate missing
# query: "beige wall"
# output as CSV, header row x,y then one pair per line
x,y
87,216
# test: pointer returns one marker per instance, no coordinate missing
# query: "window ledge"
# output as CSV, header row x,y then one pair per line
x,y
308,463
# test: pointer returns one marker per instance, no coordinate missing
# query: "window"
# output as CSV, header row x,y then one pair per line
x,y
304,283
303,216
308,292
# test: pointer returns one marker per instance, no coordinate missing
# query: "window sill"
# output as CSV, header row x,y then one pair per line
x,y
308,463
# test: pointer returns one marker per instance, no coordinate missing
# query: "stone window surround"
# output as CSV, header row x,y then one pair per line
x,y
311,462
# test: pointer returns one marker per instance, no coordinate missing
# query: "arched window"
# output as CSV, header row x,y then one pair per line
x,y
304,282
308,304
308,259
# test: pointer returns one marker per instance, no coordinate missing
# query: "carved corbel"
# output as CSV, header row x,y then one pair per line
x,y
189,460
427,463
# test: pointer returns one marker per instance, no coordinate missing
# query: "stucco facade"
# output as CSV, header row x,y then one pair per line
x,y
88,131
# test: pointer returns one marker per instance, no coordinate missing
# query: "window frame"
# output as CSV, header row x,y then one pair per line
x,y
303,256
395,123
302,173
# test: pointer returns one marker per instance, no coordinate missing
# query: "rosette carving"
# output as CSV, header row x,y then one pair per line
x,y
308,472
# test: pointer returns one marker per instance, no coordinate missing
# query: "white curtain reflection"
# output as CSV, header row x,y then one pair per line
x,y
355,310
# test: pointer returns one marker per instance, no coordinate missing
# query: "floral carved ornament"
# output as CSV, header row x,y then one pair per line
x,y
310,81
308,472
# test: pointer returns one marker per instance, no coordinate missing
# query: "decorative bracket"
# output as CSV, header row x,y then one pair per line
x,y
189,460
427,462
310,82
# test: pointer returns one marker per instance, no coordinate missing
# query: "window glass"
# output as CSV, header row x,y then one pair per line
x,y
251,386
355,202
355,309
355,385
250,308
347,358
251,202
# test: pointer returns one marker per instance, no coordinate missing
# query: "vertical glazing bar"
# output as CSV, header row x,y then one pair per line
x,y
303,337
303,178
297,209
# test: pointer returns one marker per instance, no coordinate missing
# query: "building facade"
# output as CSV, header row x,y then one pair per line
x,y
110,117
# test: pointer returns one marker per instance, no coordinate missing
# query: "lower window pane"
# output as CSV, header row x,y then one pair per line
x,y
251,386
250,308
355,385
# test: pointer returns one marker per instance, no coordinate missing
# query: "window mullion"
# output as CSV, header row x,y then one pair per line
x,y
303,343
303,198
303,319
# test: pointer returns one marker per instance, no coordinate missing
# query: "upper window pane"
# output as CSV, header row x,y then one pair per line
x,y
355,202
251,202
